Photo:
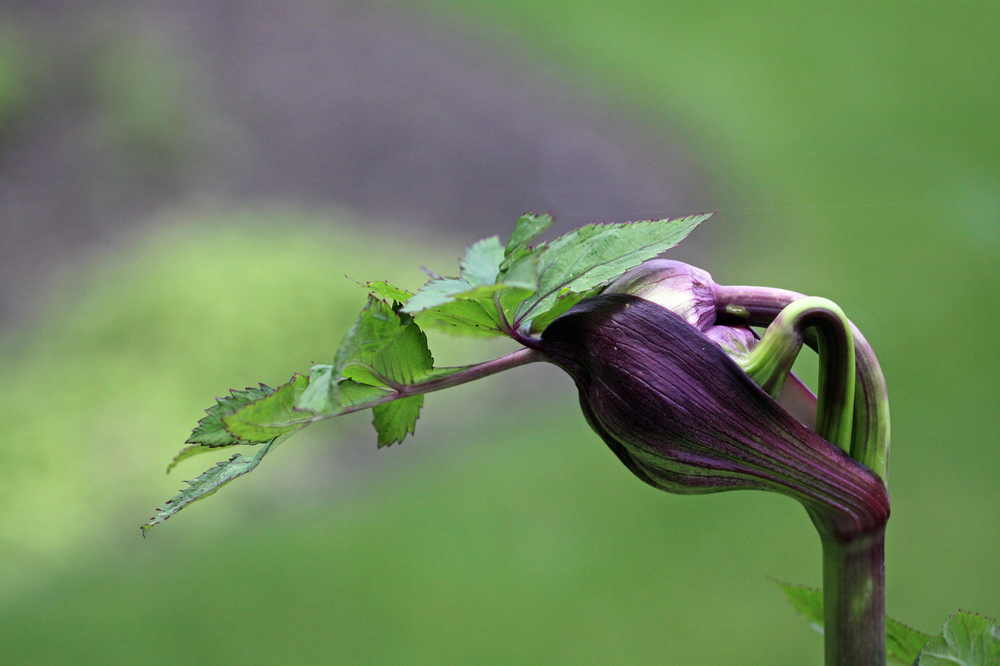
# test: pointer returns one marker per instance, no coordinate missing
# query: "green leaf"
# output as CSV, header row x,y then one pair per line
x,y
394,420
968,639
903,643
564,302
405,359
375,327
480,264
209,482
270,417
527,229
807,601
595,254
388,291
316,396
210,431
476,317
436,292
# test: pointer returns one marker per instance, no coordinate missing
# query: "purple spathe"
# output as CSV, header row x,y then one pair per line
x,y
682,416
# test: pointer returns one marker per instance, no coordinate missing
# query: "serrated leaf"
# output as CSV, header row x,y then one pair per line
x,y
436,292
395,420
389,291
595,254
210,432
375,326
269,417
807,601
968,639
476,317
903,643
406,359
480,263
209,482
563,303
316,397
527,229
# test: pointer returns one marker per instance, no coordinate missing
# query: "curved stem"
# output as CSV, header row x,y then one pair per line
x,y
770,363
853,566
758,306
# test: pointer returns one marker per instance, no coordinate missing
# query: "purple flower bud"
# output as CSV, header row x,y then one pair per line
x,y
682,416
687,291
681,288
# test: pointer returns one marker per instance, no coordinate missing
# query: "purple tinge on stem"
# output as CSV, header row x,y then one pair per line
x,y
682,416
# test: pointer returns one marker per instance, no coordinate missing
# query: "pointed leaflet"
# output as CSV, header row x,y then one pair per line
x,y
968,639
596,254
387,290
480,263
210,481
903,643
526,230
269,417
210,432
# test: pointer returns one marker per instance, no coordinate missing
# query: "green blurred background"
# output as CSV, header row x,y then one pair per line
x,y
183,186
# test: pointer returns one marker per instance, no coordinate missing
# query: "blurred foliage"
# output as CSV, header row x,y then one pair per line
x,y
863,145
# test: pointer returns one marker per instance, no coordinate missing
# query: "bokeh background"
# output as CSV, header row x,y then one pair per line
x,y
184,185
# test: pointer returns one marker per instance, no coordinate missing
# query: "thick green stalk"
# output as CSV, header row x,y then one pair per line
x,y
853,598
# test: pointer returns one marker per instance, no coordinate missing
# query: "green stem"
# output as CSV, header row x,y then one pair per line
x,y
853,598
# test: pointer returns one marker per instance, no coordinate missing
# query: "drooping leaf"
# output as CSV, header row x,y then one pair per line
x,y
596,254
903,643
968,639
269,417
396,419
480,263
209,482
527,229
